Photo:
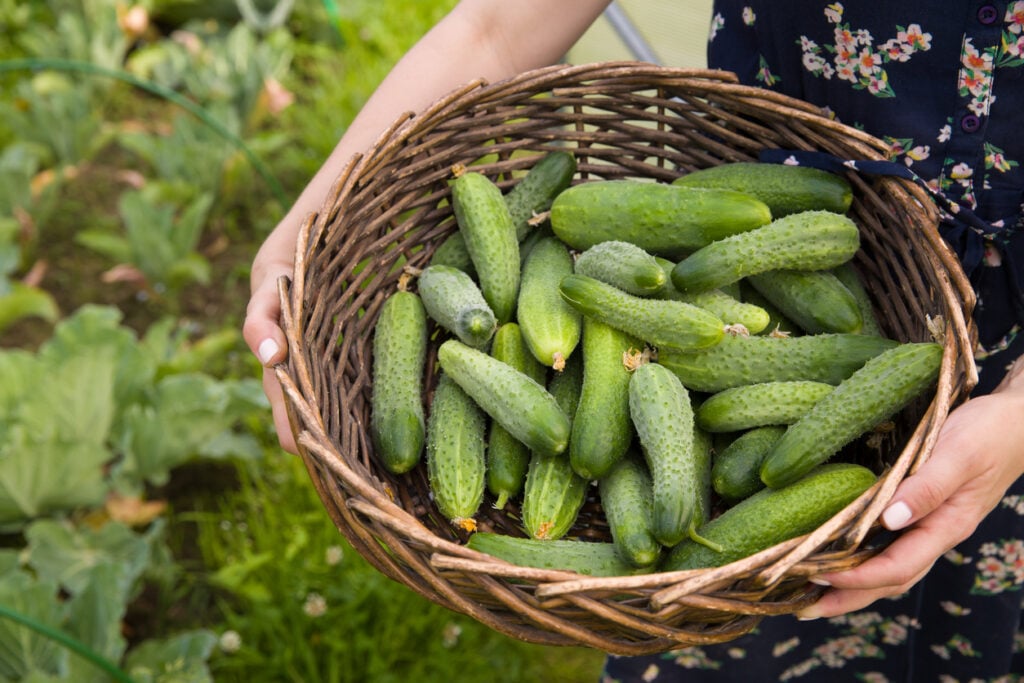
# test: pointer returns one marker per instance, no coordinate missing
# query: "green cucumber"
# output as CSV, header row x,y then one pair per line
x,y
659,218
872,394
550,326
623,265
454,302
772,516
778,324
757,405
660,322
590,558
736,473
626,498
510,397
534,193
397,423
848,275
531,195
507,457
786,189
455,453
486,226
601,429
812,240
554,493
662,414
719,302
815,300
738,360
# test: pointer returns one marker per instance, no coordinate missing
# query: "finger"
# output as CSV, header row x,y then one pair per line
x,y
261,329
272,388
845,600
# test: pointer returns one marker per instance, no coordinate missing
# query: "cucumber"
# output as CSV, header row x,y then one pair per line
x,y
590,558
509,396
622,265
875,392
851,279
507,457
736,473
772,516
812,240
758,405
626,497
719,302
532,194
785,189
662,414
554,493
397,423
454,302
738,360
455,453
778,324
660,322
550,326
660,218
486,226
602,429
815,300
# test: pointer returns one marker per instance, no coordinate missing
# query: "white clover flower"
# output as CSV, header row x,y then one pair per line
x,y
315,605
230,642
333,555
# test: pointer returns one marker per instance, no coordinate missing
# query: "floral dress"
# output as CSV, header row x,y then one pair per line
x,y
942,81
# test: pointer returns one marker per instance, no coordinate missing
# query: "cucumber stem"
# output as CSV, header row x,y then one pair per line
x,y
706,542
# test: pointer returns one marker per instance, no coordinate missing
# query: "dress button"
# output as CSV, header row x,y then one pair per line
x,y
970,123
988,14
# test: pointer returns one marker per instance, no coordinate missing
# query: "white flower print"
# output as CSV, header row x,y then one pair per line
x,y
748,16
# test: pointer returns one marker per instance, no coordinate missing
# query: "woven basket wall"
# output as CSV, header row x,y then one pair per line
x,y
620,120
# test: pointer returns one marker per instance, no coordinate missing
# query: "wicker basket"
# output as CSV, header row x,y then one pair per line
x,y
621,120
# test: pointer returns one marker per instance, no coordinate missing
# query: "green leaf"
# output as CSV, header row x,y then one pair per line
x,y
94,618
22,650
23,302
179,659
114,247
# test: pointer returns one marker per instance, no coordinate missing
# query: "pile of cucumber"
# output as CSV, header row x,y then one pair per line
x,y
697,350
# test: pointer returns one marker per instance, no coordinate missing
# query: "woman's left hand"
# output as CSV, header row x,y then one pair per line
x,y
979,453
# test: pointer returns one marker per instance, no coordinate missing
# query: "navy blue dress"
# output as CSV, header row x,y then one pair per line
x,y
941,81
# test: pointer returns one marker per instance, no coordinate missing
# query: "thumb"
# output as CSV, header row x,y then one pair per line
x,y
926,490
261,329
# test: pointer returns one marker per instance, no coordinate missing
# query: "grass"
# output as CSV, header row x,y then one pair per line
x,y
306,607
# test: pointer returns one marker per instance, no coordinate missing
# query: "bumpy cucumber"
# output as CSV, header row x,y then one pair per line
x,y
590,558
490,236
772,516
454,302
812,240
622,265
736,473
660,322
757,405
509,396
851,279
663,417
719,302
815,300
601,429
554,493
550,326
507,457
785,189
778,323
875,392
456,448
626,498
397,422
738,360
534,193
660,218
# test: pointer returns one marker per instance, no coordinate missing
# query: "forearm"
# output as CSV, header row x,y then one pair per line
x,y
478,39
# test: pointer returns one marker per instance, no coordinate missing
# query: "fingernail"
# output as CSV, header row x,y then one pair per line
x,y
267,350
820,581
812,617
896,516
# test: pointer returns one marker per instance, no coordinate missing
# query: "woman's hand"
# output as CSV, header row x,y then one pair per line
x,y
979,453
